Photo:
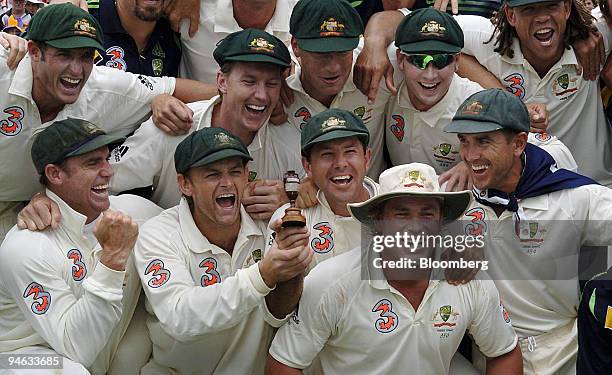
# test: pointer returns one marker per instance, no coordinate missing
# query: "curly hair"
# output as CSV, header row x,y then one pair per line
x,y
579,24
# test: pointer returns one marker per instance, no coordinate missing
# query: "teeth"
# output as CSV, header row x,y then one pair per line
x,y
480,167
256,107
341,178
544,31
226,196
72,81
429,86
100,187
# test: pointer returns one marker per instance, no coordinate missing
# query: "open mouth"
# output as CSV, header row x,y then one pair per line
x,y
100,190
342,180
429,86
331,80
255,109
70,83
544,36
479,169
226,200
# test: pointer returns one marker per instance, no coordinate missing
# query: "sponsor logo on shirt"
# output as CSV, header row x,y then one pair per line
x,y
79,270
544,137
504,312
159,275
116,58
211,275
515,84
304,113
531,234
324,242
158,66
41,298
119,152
477,225
397,128
388,320
12,125
145,81
445,154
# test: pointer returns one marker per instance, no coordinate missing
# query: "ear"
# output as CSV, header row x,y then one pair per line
x,y
306,166
567,4
294,46
520,142
401,59
184,184
510,15
34,52
368,158
55,175
222,82
457,61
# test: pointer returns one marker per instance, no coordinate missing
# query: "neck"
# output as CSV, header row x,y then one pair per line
x,y
253,14
47,110
542,66
224,236
341,208
512,179
138,29
223,117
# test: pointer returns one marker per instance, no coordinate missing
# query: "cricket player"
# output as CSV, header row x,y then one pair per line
x,y
69,291
535,217
377,319
201,265
249,81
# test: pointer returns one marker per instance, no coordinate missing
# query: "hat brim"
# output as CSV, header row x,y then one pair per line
x,y
75,42
331,44
518,3
429,46
13,27
259,58
471,127
336,134
96,143
454,204
220,155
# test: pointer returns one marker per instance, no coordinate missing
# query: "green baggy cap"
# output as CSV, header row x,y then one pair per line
x,y
333,124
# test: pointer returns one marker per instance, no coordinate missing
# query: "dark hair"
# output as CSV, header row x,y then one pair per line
x,y
605,10
42,178
579,24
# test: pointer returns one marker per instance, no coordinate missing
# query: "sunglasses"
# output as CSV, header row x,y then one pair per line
x,y
439,61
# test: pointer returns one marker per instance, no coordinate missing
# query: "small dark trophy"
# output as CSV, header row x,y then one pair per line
x,y
293,215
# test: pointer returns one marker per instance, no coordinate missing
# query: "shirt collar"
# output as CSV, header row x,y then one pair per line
x,y
199,244
72,220
226,23
535,203
21,84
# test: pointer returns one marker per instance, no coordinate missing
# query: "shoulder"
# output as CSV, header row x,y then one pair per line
x,y
138,208
338,272
22,246
465,87
163,224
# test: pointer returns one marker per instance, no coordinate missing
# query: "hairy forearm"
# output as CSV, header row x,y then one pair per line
x,y
471,69
381,26
285,297
189,91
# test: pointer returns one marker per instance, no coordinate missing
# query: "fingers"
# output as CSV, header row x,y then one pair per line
x,y
172,116
389,80
194,23
373,86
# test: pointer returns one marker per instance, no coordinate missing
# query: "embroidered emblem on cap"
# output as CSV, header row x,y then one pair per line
x,y
260,44
223,138
332,27
91,128
82,27
473,108
433,28
333,122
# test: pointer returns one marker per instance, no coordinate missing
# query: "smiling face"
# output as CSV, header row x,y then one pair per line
x,y
250,93
541,29
338,168
59,74
493,159
323,74
426,87
18,6
83,181
216,190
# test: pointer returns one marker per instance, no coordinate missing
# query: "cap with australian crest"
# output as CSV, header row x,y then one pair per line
x,y
252,45
333,124
427,31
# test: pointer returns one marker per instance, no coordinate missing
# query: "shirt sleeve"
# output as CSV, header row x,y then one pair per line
x,y
298,342
557,149
597,223
184,309
491,327
138,161
476,31
77,327
126,96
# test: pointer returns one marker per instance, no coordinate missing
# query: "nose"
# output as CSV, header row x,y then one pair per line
x,y
107,170
340,162
225,180
260,91
75,67
430,71
469,153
